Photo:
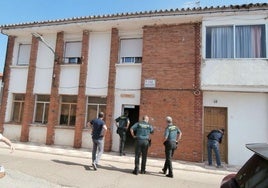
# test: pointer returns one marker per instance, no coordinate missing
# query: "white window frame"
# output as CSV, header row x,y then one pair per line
x,y
24,53
130,50
234,40
72,56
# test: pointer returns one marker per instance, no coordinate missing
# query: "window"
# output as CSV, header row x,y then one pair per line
x,y
41,109
24,54
72,53
236,42
95,106
18,105
131,51
68,110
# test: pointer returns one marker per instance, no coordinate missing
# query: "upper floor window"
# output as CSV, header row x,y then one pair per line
x,y
68,110
72,53
95,106
244,41
24,54
41,109
18,107
131,50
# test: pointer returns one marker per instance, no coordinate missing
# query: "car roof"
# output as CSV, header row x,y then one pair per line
x,y
260,149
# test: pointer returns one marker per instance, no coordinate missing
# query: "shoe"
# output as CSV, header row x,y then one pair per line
x,y
135,172
121,154
143,172
169,175
163,171
219,166
94,166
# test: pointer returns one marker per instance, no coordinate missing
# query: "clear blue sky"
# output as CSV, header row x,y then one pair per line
x,y
22,11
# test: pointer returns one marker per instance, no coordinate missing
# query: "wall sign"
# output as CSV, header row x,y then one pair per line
x,y
149,83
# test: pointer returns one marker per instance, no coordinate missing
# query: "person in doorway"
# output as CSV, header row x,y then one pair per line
x,y
122,124
143,130
214,139
171,137
99,130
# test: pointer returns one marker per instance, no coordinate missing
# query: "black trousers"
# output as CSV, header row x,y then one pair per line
x,y
122,133
170,147
141,148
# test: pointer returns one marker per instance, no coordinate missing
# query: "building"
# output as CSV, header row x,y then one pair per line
x,y
191,64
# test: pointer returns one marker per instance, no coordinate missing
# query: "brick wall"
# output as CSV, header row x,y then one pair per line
x,y
6,79
171,57
53,113
81,97
29,96
111,85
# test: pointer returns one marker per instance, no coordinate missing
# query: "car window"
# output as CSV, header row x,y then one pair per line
x,y
254,173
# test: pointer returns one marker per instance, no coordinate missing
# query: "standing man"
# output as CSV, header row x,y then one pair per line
x,y
143,130
171,137
214,139
98,133
122,124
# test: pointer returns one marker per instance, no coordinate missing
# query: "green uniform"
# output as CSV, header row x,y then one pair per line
x,y
171,134
143,131
122,131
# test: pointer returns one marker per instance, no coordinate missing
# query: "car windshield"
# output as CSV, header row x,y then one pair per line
x,y
254,173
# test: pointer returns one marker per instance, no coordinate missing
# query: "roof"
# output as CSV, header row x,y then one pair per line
x,y
259,148
188,11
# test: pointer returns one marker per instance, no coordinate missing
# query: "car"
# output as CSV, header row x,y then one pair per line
x,y
254,173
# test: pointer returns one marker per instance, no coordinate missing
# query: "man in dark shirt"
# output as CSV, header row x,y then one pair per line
x,y
98,132
214,139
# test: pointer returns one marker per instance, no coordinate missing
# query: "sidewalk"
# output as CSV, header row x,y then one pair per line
x,y
129,158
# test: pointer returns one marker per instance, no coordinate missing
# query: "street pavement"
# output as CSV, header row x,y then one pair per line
x,y
111,162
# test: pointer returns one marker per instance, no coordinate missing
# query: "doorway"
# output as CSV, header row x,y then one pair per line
x,y
133,114
215,118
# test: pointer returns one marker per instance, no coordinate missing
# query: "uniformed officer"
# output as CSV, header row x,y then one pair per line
x,y
122,124
143,130
171,137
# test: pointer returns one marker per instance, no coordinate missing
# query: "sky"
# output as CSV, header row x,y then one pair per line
x,y
23,11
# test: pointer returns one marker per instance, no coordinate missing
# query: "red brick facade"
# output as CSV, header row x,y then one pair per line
x,y
53,114
6,78
171,56
81,97
29,96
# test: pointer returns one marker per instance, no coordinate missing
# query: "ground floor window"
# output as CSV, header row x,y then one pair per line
x,y
94,106
18,106
41,109
68,110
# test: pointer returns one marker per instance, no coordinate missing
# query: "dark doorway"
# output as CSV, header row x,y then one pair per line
x,y
133,114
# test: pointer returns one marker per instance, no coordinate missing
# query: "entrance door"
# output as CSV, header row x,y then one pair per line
x,y
133,114
215,118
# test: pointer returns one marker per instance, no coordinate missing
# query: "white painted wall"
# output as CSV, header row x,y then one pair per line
x,y
86,139
128,83
247,120
64,137
69,79
18,79
44,65
235,75
12,132
38,134
98,65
